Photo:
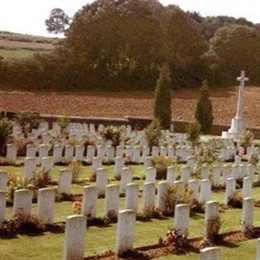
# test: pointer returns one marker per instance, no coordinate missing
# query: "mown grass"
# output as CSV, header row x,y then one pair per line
x,y
100,239
8,54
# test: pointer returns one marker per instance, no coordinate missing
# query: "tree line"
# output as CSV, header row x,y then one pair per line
x,y
115,45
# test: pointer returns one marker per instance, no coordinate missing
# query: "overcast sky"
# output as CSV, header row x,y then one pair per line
x,y
28,16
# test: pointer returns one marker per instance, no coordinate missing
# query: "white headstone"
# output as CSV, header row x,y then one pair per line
x,y
57,153
89,201
2,207
11,153
23,201
112,200
65,180
3,180
230,189
150,174
205,191
125,231
101,180
46,202
247,187
247,219
211,212
181,218
149,195
74,243
131,199
162,191
126,177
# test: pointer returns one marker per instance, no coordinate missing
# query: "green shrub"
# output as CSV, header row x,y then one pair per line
x,y
41,179
76,168
112,133
160,163
162,104
204,109
24,224
153,133
193,133
5,131
16,182
177,194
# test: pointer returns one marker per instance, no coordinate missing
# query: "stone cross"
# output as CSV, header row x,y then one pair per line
x,y
242,78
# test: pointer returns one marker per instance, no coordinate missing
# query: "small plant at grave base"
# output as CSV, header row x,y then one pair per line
x,y
207,152
112,216
246,139
41,179
249,232
178,239
63,122
253,159
21,144
22,223
77,205
16,182
148,213
113,134
160,163
213,229
76,168
177,194
236,201
153,133
193,133
28,121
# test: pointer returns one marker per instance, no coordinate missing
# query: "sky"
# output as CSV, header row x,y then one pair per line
x,y
28,16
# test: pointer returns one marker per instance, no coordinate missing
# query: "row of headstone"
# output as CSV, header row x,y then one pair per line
x,y
74,245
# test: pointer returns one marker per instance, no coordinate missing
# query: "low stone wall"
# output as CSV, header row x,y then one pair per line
x,y
135,122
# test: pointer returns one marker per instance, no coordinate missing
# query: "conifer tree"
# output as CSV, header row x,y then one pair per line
x,y
162,106
204,109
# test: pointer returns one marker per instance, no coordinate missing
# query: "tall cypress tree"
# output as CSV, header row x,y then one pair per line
x,y
204,109
162,106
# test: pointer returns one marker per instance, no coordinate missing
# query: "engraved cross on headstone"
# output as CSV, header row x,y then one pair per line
x,y
242,78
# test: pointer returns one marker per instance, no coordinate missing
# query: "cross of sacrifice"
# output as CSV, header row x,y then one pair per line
x,y
242,78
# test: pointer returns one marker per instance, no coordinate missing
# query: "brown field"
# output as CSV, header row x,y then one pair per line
x,y
139,104
25,45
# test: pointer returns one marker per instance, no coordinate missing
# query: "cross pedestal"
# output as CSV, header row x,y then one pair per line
x,y
237,123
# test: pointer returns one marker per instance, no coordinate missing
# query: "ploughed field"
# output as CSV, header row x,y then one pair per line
x,y
139,104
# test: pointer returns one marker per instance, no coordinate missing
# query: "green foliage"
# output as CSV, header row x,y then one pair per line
x,y
203,112
160,163
153,133
193,133
112,133
40,180
63,122
24,224
16,182
162,104
76,168
246,139
208,152
119,45
177,194
58,21
5,131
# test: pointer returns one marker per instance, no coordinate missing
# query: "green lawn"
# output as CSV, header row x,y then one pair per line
x,y
100,239
17,53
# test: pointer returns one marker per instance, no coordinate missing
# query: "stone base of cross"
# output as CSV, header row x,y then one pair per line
x,y
237,123
236,129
